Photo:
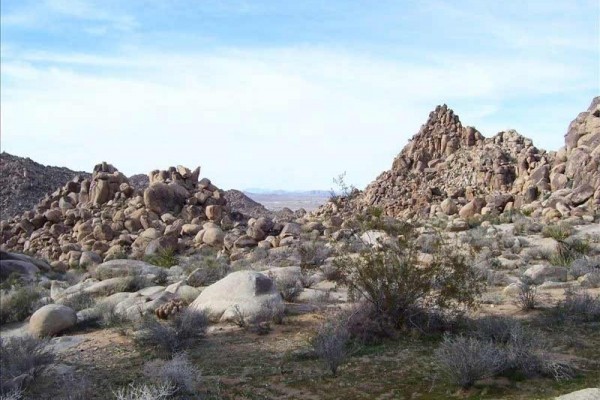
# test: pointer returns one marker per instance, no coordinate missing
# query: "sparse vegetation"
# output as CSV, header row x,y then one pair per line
x,y
142,391
498,346
178,372
312,254
393,281
79,301
261,321
163,258
22,359
172,336
578,306
18,303
330,341
464,360
557,231
527,296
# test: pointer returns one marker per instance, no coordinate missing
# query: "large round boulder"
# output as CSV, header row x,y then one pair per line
x,y
246,294
52,319
161,197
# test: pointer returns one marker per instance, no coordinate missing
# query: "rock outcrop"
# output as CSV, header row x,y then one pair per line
x,y
23,182
447,167
103,217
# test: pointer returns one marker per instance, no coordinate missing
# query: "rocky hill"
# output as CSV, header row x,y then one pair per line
x,y
23,182
447,167
239,202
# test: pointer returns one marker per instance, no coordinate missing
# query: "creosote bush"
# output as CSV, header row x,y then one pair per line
x,y
392,280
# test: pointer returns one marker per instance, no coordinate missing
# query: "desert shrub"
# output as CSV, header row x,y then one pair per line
x,y
464,360
344,190
568,251
478,239
391,279
495,328
312,253
578,306
172,336
104,315
163,258
584,265
373,219
429,243
332,272
23,356
498,347
135,281
330,341
524,226
536,254
73,386
206,268
365,326
142,391
557,231
179,372
288,287
18,303
261,321
527,296
79,301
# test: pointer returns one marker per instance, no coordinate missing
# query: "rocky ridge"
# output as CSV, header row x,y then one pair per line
x,y
449,168
23,182
90,220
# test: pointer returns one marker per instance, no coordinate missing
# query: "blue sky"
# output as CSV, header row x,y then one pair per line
x,y
283,94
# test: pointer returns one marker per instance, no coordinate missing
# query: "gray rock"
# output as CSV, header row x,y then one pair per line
x,y
542,273
52,319
249,293
584,394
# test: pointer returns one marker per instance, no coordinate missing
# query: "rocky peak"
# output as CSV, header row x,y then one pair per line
x,y
445,160
441,136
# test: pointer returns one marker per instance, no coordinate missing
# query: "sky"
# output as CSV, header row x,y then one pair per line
x,y
283,94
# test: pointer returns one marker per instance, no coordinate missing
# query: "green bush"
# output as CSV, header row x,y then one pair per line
x,y
392,280
557,231
18,303
165,258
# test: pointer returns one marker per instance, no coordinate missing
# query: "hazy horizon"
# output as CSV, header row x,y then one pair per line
x,y
283,95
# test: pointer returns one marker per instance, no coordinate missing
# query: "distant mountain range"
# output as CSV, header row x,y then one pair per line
x,y
277,192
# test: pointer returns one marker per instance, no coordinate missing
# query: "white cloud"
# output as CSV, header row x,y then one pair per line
x,y
291,118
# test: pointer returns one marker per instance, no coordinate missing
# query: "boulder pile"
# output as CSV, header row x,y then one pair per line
x,y
451,169
92,220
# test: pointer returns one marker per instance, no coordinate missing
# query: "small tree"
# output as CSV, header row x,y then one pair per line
x,y
391,278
